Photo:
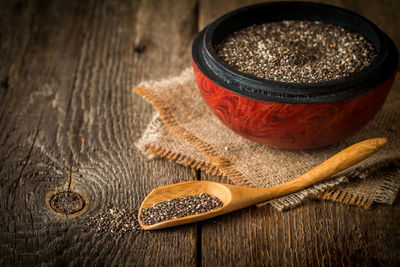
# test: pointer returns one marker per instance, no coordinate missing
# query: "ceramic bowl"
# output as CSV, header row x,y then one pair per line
x,y
292,115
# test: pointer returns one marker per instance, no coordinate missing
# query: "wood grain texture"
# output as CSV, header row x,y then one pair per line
x,y
69,121
316,234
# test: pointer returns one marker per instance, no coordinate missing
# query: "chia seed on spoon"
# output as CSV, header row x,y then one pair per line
x,y
179,207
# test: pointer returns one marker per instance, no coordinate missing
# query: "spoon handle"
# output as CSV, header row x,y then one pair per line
x,y
342,160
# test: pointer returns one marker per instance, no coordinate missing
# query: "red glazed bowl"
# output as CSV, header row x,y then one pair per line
x,y
292,115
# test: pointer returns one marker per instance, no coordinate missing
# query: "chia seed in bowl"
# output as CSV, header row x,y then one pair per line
x,y
296,51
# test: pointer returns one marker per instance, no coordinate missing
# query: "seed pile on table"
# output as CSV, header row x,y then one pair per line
x,y
114,220
296,51
179,207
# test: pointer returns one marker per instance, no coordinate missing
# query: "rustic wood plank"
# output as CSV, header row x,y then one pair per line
x,y
68,122
319,233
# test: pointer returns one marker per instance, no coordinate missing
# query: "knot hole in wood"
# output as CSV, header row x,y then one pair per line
x,y
67,202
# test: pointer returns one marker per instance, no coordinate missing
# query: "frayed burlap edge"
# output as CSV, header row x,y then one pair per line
x,y
339,195
181,159
385,194
151,151
224,165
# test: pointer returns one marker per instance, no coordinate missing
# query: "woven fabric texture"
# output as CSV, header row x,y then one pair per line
x,y
185,131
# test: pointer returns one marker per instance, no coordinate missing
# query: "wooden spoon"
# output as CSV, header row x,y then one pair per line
x,y
238,197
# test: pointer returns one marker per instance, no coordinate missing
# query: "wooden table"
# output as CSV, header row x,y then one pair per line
x,y
69,121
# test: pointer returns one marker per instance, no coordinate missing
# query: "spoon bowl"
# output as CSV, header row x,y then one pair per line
x,y
238,197
184,189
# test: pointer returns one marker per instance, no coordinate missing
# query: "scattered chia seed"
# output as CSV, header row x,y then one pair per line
x,y
116,221
179,207
296,51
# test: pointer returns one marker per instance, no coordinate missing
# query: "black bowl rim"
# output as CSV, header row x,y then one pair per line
x,y
377,73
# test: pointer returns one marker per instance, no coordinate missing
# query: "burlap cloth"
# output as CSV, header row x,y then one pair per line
x,y
185,131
